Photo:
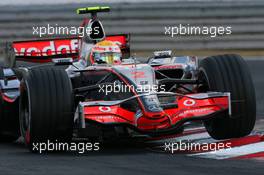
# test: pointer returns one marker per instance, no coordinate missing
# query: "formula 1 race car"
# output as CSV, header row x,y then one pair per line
x,y
155,98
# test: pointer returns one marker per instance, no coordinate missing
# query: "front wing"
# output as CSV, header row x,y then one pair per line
x,y
186,108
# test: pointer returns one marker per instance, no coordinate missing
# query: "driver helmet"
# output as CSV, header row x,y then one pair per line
x,y
106,52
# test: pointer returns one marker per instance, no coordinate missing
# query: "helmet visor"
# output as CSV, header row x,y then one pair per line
x,y
107,57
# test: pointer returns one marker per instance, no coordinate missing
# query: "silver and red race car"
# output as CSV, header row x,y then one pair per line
x,y
64,98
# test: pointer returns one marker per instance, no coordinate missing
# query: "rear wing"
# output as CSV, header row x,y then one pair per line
x,y
43,51
46,49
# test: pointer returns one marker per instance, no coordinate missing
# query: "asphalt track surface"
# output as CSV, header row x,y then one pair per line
x,y
132,158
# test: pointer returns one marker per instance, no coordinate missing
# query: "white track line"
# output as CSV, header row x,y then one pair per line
x,y
191,137
198,136
233,152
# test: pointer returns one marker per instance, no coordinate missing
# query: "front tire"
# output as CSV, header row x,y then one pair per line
x,y
230,73
46,106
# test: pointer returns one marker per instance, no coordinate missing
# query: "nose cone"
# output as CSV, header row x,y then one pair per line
x,y
154,121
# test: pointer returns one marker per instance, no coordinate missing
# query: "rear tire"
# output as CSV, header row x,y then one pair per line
x,y
46,106
9,125
230,73
12,134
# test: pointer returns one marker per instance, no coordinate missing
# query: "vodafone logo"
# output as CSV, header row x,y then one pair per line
x,y
46,48
201,111
189,102
104,109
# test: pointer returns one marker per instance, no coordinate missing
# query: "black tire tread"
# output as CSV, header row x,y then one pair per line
x,y
230,73
8,110
51,104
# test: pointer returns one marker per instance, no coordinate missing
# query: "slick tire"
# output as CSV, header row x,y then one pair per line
x,y
230,73
46,106
9,125
9,130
